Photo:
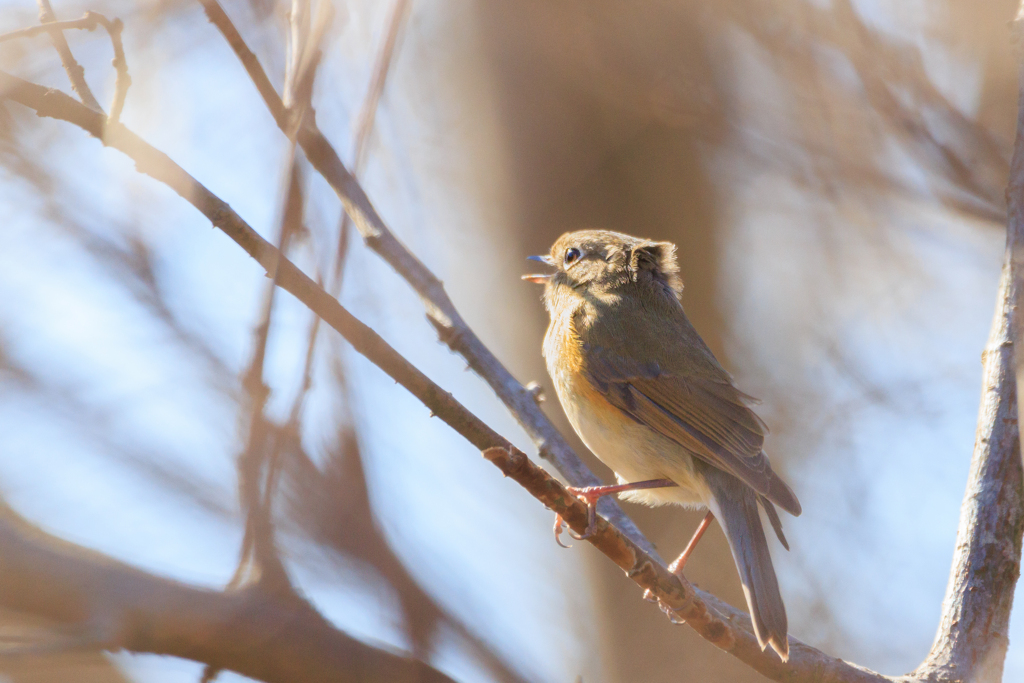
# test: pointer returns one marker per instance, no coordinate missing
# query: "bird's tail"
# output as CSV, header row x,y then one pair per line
x,y
735,506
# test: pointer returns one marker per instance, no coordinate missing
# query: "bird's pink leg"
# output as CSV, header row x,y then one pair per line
x,y
677,566
591,494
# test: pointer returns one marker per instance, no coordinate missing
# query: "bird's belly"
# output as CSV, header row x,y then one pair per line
x,y
633,451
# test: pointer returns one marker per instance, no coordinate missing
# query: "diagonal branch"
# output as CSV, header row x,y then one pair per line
x,y
382,66
441,312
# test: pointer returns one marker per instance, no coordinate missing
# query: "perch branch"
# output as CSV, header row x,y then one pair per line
x,y
732,634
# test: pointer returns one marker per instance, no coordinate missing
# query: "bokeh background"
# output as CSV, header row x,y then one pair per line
x,y
832,172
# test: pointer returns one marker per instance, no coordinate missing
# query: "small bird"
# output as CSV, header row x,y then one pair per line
x,y
647,396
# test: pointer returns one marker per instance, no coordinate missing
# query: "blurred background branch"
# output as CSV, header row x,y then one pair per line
x,y
268,637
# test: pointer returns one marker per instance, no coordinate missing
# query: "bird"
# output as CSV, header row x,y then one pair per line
x,y
647,396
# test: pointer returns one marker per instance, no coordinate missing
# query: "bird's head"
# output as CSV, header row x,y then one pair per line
x,y
599,261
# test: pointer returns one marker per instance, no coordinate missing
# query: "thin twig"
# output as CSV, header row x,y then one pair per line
x,y
88,22
306,36
123,80
366,118
382,67
74,70
441,312
258,461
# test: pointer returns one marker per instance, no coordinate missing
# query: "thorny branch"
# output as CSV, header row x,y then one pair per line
x,y
971,639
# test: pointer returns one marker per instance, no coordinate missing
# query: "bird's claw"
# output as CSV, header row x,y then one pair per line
x,y
586,494
591,528
559,525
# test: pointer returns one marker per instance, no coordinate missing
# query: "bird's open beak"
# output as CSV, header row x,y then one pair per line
x,y
539,278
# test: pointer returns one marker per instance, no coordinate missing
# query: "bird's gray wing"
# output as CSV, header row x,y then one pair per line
x,y
708,418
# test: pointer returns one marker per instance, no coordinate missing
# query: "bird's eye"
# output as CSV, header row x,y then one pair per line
x,y
572,254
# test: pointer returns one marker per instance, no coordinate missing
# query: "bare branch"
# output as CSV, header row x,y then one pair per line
x,y
259,462
266,636
74,70
441,312
88,22
220,19
973,633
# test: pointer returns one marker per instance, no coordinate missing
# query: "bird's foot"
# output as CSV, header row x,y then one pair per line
x,y
591,502
559,526
589,495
